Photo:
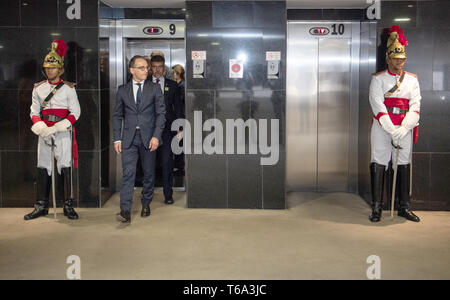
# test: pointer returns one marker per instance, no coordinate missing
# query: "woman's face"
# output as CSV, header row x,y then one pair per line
x,y
176,76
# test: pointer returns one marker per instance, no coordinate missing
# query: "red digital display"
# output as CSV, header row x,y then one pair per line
x,y
153,30
319,31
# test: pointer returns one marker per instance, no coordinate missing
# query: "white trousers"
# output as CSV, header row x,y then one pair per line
x,y
63,152
382,150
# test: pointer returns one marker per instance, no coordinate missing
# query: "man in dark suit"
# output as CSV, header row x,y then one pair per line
x,y
173,112
140,105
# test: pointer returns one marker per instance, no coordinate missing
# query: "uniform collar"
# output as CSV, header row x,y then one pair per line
x,y
392,74
60,80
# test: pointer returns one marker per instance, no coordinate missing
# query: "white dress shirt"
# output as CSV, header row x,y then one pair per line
x,y
136,87
161,82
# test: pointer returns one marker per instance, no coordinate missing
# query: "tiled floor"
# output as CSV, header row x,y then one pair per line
x,y
320,236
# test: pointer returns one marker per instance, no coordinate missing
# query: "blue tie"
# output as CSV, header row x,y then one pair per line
x,y
138,95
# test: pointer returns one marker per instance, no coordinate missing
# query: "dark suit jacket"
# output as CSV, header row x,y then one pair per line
x,y
181,89
149,116
174,107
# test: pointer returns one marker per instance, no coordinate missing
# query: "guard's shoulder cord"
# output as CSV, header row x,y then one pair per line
x,y
395,87
71,84
39,83
50,96
412,74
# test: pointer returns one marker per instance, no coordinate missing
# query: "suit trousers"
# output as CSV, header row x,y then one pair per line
x,y
166,156
129,161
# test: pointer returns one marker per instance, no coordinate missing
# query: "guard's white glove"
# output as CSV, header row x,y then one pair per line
x,y
38,127
387,124
63,125
400,133
48,131
411,120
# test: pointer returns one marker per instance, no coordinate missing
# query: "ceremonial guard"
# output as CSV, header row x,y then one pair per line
x,y
54,110
395,101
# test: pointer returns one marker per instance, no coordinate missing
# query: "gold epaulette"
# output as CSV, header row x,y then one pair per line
x,y
379,73
71,84
39,83
412,74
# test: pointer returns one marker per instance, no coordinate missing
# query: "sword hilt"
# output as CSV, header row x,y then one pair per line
x,y
396,147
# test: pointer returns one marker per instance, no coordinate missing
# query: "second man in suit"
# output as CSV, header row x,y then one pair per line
x,y
173,111
140,106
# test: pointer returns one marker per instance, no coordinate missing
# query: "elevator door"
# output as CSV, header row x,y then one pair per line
x,y
174,53
173,50
319,76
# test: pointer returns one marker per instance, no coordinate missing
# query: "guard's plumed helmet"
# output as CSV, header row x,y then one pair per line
x,y
396,43
55,58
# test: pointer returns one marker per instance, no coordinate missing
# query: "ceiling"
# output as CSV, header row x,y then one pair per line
x,y
289,3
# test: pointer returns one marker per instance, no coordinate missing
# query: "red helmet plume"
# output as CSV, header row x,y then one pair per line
x,y
61,48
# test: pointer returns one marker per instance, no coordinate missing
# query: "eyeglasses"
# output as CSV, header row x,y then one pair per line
x,y
140,68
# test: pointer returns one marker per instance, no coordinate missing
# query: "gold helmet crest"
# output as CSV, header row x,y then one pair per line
x,y
55,58
396,43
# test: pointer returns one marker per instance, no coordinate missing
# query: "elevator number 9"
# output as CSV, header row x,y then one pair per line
x,y
172,29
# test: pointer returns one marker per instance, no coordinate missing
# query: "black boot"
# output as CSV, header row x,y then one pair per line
x,y
43,183
389,175
68,203
404,200
377,181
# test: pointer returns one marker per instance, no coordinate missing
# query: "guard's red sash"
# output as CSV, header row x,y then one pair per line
x,y
63,113
397,119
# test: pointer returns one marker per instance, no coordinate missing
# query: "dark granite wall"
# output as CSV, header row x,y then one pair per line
x,y
225,29
27,28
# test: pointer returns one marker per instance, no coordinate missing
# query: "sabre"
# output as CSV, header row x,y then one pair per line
x,y
395,177
71,164
53,176
411,168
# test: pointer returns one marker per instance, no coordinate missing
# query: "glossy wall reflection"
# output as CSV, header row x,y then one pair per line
x,y
27,29
228,30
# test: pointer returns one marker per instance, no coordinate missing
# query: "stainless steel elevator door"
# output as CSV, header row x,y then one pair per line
x,y
318,107
333,114
174,51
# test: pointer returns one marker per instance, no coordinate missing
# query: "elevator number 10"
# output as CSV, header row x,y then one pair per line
x,y
338,29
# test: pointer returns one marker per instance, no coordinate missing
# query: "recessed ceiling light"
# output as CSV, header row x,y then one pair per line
x,y
402,20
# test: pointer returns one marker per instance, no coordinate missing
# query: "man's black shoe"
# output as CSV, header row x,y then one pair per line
x,y
168,201
375,216
145,212
39,211
124,216
408,215
69,211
